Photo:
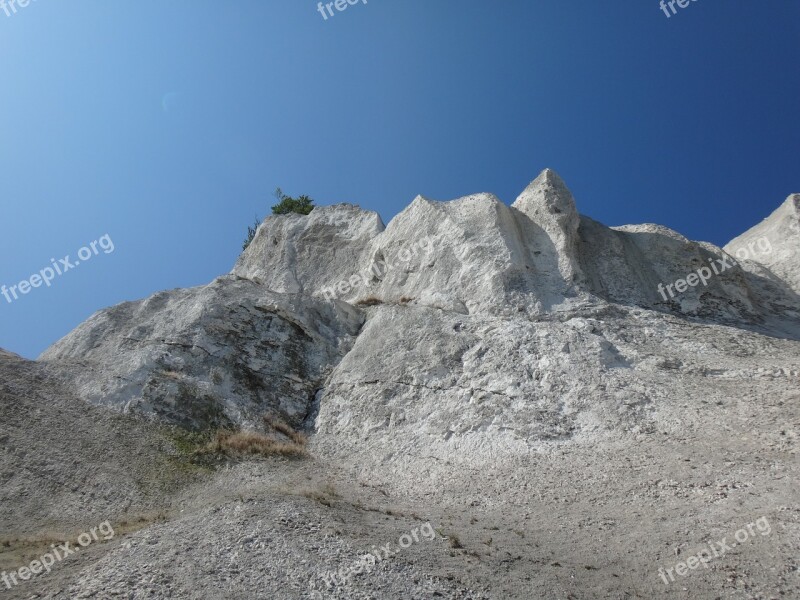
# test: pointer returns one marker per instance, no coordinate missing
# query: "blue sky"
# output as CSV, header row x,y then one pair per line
x,y
167,125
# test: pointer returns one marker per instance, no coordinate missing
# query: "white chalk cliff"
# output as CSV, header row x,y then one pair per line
x,y
565,402
511,326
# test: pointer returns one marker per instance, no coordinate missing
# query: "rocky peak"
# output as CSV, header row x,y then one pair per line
x,y
773,244
548,198
548,203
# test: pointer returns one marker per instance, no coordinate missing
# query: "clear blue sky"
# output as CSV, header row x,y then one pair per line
x,y
168,125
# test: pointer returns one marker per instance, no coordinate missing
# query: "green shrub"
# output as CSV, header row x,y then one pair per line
x,y
251,233
301,205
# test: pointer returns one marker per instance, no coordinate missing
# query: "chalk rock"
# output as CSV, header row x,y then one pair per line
x,y
773,243
217,355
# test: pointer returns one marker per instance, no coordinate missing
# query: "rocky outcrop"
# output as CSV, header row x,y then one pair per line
x,y
548,204
481,322
475,255
301,254
774,244
225,353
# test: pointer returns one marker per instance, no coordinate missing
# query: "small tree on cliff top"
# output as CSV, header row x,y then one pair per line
x,y
286,204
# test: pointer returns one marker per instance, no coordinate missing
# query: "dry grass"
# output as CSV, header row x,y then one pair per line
x,y
135,523
170,374
19,552
250,443
455,542
325,494
282,427
369,301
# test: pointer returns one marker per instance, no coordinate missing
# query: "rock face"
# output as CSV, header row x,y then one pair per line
x,y
641,265
471,256
548,204
222,354
774,243
298,254
470,321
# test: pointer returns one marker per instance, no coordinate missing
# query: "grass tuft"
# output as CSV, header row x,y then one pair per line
x,y
250,443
